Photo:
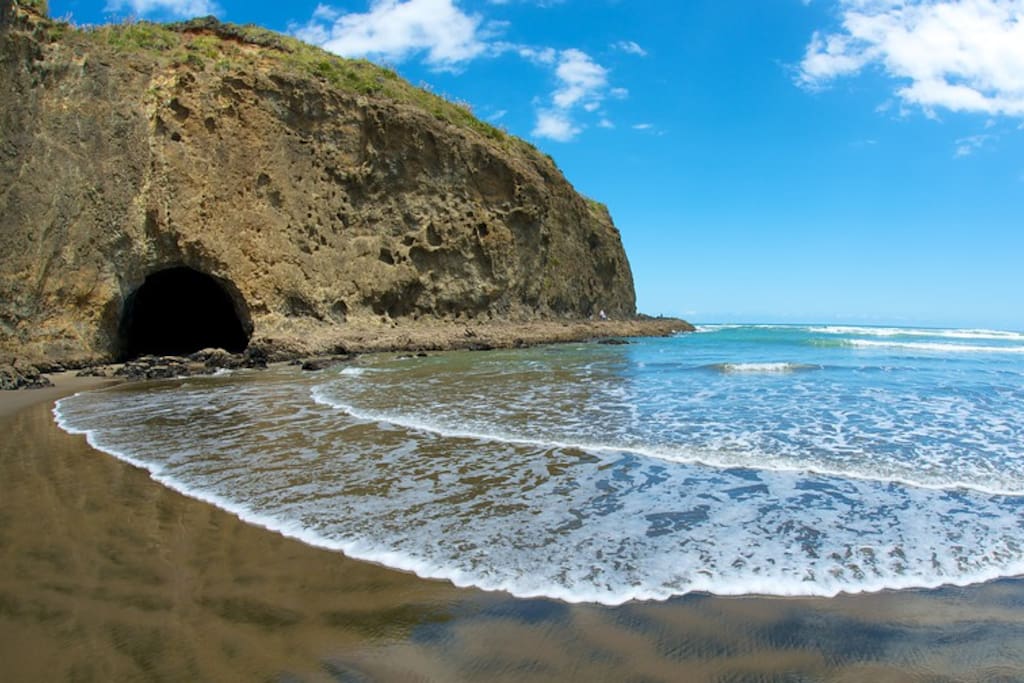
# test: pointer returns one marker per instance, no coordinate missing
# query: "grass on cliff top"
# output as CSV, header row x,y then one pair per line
x,y
40,6
206,42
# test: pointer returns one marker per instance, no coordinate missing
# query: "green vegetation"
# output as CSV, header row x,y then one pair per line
x,y
202,42
56,30
137,36
40,6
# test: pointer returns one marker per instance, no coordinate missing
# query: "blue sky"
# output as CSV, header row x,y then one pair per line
x,y
765,160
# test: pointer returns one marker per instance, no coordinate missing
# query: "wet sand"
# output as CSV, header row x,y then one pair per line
x,y
64,383
106,575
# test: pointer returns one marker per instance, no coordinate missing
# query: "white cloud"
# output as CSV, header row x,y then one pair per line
x,y
967,146
581,85
582,78
605,123
959,55
542,55
555,125
642,126
326,13
394,30
630,47
538,3
446,37
174,8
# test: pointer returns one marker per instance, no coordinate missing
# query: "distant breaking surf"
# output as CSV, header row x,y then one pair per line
x,y
613,473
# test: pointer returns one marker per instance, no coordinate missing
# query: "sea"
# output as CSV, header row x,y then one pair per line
x,y
779,460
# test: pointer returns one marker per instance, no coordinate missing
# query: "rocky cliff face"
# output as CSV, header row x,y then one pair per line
x,y
299,190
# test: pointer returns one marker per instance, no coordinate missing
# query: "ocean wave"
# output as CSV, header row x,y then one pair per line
x,y
967,334
767,368
612,476
721,458
942,347
724,327
557,524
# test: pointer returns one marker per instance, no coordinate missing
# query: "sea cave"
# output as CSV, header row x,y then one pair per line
x,y
178,311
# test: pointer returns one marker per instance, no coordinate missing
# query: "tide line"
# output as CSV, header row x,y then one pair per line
x,y
718,459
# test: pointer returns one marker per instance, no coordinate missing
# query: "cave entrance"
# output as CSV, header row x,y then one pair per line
x,y
179,311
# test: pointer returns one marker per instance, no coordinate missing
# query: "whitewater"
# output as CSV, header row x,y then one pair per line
x,y
740,459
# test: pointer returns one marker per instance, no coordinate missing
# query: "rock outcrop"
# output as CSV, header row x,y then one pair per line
x,y
21,375
158,180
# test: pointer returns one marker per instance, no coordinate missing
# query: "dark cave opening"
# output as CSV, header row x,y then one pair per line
x,y
179,311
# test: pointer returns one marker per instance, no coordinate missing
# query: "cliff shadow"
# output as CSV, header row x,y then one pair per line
x,y
178,311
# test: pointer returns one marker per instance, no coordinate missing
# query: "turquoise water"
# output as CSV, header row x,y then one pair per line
x,y
779,460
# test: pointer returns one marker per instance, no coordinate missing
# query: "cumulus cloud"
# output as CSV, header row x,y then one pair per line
x,y
174,8
958,55
581,84
581,78
555,125
537,55
396,29
538,3
630,47
445,37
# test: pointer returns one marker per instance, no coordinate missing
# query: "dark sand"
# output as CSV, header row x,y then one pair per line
x,y
108,576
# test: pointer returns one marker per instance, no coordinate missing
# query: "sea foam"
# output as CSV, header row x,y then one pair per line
x,y
606,474
572,526
938,347
762,367
995,335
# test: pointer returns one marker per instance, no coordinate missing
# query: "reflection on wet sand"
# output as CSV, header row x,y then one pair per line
x,y
106,575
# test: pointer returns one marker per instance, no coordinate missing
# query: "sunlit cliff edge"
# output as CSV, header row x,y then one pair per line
x,y
320,195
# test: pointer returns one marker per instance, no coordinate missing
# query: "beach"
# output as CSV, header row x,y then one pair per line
x,y
365,395
107,575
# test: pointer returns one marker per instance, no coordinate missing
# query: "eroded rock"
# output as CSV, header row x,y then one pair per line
x,y
22,375
313,192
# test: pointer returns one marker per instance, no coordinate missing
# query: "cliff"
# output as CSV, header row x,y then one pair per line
x,y
161,183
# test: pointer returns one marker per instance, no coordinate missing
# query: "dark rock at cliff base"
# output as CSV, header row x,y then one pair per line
x,y
255,357
159,367
168,188
20,375
204,362
218,358
97,371
315,364
252,357
613,342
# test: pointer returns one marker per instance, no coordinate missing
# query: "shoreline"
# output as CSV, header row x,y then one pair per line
x,y
346,340
108,575
430,335
64,384
67,385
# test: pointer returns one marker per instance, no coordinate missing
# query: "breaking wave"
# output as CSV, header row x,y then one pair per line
x,y
607,474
